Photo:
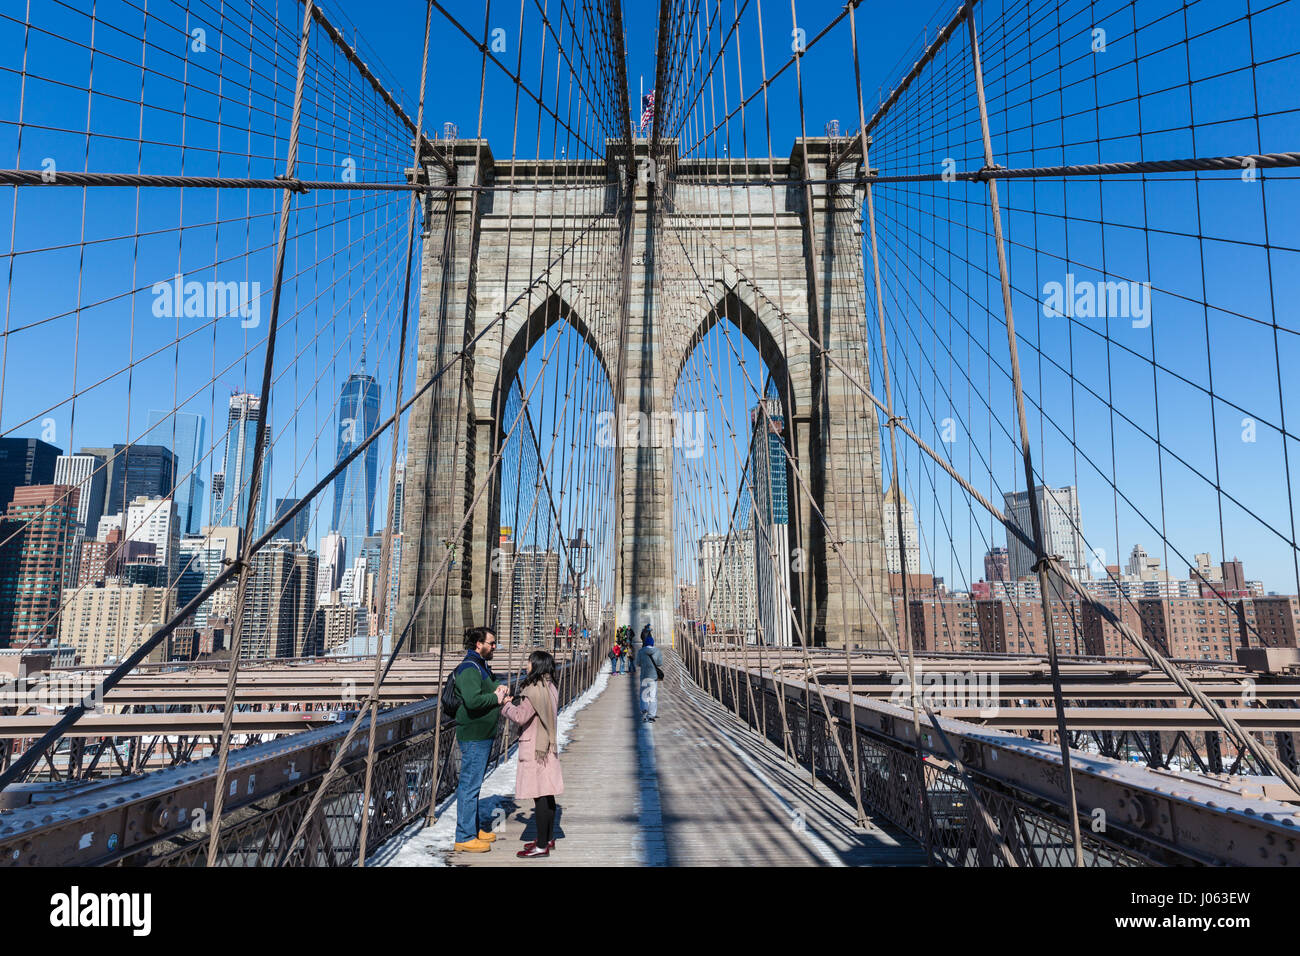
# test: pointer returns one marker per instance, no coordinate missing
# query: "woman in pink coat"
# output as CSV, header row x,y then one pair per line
x,y
535,709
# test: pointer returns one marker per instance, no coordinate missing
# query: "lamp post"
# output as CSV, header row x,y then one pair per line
x,y
579,555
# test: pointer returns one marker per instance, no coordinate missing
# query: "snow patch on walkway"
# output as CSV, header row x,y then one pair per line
x,y
421,845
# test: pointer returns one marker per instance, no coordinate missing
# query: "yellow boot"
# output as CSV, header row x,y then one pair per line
x,y
487,837
473,846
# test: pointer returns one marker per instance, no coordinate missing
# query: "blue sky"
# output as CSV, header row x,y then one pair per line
x,y
1214,298
80,310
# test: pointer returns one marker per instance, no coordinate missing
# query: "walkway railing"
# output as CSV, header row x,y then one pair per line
x,y
974,809
161,819
404,781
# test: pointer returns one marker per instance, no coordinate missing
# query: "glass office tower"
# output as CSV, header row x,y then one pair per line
x,y
237,470
182,432
354,488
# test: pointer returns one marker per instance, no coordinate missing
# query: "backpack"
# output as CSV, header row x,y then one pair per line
x,y
450,696
451,699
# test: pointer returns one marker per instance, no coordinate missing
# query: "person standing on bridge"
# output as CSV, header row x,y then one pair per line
x,y
538,777
480,698
651,662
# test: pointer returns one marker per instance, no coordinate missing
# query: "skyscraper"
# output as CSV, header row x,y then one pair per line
x,y
911,544
354,488
104,558
767,469
296,529
182,432
336,624
35,535
148,470
503,573
997,565
726,583
532,605
399,494
280,615
200,563
1062,529
89,474
24,461
394,576
215,509
154,520
106,623
237,469
332,554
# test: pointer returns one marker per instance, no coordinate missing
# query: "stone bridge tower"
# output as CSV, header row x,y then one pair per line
x,y
576,242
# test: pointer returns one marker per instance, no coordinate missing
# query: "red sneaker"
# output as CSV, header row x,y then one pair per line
x,y
532,843
532,851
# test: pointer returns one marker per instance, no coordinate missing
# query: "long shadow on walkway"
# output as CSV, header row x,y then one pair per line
x,y
712,792
653,846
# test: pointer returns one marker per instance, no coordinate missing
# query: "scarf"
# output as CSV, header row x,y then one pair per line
x,y
474,657
539,695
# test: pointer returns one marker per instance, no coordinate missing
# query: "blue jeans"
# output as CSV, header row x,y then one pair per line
x,y
473,765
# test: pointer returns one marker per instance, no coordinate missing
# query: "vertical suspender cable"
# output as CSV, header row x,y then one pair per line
x,y
255,485
1044,561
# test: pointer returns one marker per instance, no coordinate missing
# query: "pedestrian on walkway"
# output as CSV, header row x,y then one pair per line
x,y
479,704
538,777
613,658
651,662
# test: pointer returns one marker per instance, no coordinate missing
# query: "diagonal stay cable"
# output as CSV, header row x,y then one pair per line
x,y
341,752
24,763
1153,655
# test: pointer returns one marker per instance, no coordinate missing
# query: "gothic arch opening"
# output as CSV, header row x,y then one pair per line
x,y
549,517
737,540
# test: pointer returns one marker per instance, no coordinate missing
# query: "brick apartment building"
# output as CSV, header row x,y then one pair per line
x,y
1185,628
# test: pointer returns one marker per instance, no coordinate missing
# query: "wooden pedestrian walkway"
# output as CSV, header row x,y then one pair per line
x,y
695,788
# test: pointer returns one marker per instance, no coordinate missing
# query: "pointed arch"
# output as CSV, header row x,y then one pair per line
x,y
760,323
522,334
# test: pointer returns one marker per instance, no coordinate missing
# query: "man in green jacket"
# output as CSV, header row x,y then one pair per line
x,y
476,724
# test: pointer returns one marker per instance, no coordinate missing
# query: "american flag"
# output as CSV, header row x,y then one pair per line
x,y
647,110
